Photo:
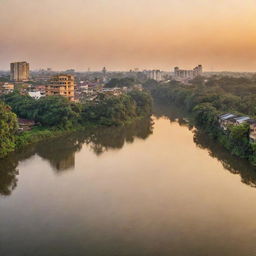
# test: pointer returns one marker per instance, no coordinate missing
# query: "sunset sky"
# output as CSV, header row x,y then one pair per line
x,y
125,34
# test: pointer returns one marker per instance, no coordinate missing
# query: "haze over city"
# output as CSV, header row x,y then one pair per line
x,y
121,35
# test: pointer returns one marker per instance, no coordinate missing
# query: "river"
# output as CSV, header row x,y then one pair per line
x,y
154,187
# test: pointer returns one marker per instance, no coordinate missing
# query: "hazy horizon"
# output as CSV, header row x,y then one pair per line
x,y
122,35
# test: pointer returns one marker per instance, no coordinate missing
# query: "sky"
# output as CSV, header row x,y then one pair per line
x,y
127,34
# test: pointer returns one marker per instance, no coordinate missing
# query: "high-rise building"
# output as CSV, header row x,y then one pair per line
x,y
104,72
63,85
19,71
188,74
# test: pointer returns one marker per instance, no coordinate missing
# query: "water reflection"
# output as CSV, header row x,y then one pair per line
x,y
8,176
231,163
174,114
60,152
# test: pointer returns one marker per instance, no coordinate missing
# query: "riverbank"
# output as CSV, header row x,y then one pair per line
x,y
205,106
55,116
38,134
98,193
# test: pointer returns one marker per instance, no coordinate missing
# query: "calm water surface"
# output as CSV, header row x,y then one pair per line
x,y
156,187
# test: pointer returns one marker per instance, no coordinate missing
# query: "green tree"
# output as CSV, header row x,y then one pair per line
x,y
8,128
56,111
120,82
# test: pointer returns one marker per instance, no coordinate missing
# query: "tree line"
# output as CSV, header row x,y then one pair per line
x,y
206,99
57,113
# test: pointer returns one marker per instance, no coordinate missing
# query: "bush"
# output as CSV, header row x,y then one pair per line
x,y
8,128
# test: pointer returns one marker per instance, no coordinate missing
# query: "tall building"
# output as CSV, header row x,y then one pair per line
x,y
188,74
19,71
104,72
63,85
155,75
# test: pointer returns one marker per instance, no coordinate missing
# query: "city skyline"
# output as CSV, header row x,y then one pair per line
x,y
123,35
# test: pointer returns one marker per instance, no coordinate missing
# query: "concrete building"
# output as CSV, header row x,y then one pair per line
x,y
6,88
63,85
104,73
19,71
35,95
155,75
182,74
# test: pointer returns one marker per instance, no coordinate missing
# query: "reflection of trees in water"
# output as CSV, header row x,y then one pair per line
x,y
102,140
8,177
9,170
202,140
229,162
60,152
173,113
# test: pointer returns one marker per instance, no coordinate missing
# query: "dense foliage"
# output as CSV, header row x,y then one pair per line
x,y
207,98
121,82
8,128
118,110
56,112
49,111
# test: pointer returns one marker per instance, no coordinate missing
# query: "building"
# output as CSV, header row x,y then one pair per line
x,y
35,95
25,124
225,120
182,74
63,85
19,71
230,119
252,134
6,88
155,75
241,119
104,73
111,91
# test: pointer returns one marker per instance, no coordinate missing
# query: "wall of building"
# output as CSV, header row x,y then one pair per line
x,y
19,71
63,85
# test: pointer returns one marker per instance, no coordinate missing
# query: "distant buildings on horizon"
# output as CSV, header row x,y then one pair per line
x,y
155,75
64,83
19,72
181,74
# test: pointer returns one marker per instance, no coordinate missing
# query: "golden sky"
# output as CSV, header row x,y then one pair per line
x,y
125,34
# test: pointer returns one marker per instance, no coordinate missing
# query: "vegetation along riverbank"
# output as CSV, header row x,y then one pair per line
x,y
223,107
24,120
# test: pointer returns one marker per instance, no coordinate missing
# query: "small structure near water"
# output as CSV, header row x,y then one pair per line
x,y
25,124
228,119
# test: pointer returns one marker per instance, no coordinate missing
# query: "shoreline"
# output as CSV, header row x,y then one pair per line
x,y
40,134
217,138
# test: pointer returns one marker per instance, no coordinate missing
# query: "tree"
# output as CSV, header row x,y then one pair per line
x,y
8,128
239,140
143,102
57,111
122,82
